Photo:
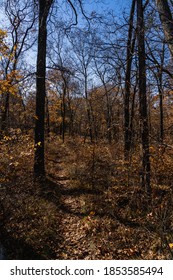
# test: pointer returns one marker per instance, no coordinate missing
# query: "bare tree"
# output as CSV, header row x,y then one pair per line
x,y
82,42
44,11
142,98
39,164
167,22
129,55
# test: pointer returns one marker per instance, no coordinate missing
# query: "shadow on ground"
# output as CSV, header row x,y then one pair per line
x,y
18,249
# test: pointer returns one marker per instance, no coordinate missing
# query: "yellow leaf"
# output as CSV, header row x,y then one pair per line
x,y
171,245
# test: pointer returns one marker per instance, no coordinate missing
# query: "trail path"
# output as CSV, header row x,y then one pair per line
x,y
89,228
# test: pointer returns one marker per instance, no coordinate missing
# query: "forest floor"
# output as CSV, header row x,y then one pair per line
x,y
89,207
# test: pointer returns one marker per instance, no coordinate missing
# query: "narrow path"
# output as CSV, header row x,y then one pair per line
x,y
88,228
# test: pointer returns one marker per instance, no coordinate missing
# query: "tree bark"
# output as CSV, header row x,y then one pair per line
x,y
130,47
39,163
4,115
167,22
142,99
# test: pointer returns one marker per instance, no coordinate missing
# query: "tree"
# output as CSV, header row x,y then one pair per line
x,y
61,74
21,18
129,55
9,80
44,9
82,42
39,164
167,22
142,98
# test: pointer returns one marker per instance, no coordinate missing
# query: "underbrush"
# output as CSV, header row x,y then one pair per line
x,y
100,200
92,167
32,222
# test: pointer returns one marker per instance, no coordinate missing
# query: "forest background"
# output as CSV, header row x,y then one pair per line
x,y
86,125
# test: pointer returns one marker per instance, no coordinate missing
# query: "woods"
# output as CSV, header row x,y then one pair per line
x,y
86,130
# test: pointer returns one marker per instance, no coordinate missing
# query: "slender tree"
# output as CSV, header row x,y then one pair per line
x,y
142,98
129,55
82,42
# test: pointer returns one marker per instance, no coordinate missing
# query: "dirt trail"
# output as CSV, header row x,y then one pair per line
x,y
88,227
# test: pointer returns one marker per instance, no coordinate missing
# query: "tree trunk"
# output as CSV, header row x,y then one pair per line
x,y
167,22
161,136
130,47
88,109
143,100
39,164
63,111
47,118
4,114
160,88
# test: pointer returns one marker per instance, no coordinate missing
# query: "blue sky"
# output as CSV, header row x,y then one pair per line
x,y
117,6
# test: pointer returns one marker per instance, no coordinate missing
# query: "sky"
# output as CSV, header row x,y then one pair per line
x,y
118,6
100,6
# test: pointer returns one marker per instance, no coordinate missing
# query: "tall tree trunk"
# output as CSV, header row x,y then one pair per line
x,y
160,88
143,99
47,118
130,47
39,164
132,113
167,22
161,134
88,109
63,111
5,110
159,79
